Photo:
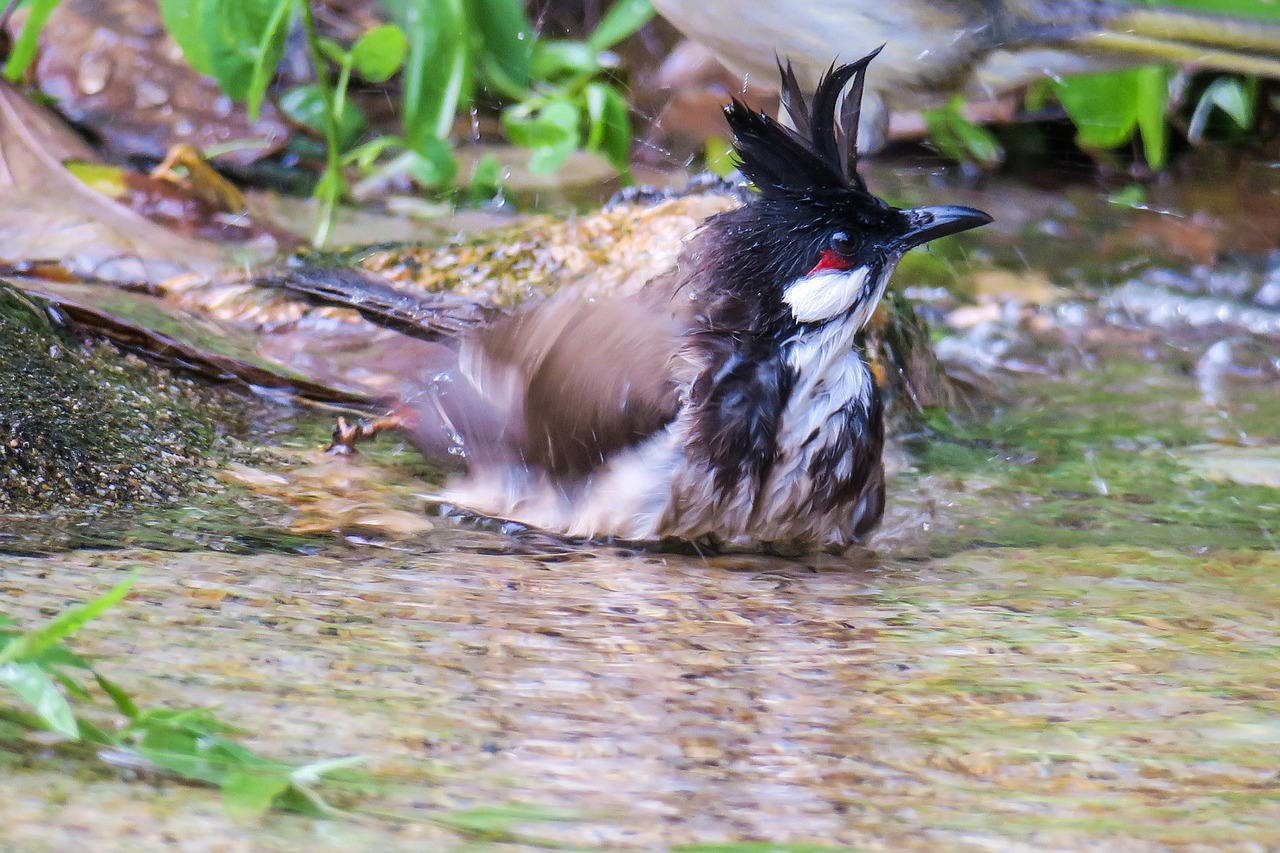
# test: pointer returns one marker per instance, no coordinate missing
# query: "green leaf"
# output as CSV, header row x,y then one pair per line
x,y
1131,195
184,19
554,59
238,42
191,743
432,164
719,156
380,53
1227,94
68,683
36,641
551,124
552,132
332,51
38,690
609,125
123,701
251,792
960,139
1103,107
1108,107
437,71
92,734
486,177
507,41
622,20
270,49
309,774
307,105
24,49
1152,104
242,38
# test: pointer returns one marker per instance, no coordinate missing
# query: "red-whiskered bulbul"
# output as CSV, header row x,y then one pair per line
x,y
727,402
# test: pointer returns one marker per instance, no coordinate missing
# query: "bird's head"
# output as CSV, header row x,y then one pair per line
x,y
815,235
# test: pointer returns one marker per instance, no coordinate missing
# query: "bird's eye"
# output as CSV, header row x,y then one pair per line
x,y
842,243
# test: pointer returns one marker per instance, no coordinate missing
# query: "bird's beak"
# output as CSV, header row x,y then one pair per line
x,y
930,223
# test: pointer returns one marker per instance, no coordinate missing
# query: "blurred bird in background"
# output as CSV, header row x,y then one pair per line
x,y
935,49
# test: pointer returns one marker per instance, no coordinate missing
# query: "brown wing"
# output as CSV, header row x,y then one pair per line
x,y
591,377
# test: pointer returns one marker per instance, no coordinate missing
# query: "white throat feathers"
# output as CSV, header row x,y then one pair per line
x,y
828,294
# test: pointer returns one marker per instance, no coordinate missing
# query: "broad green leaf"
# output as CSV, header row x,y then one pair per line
x,y
609,125
184,19
240,37
431,165
380,53
552,133
486,177
38,690
24,49
623,19
1103,107
250,793
37,640
307,105
552,124
507,40
1107,107
553,59
437,72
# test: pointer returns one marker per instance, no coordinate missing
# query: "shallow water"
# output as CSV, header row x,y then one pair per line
x,y
1065,636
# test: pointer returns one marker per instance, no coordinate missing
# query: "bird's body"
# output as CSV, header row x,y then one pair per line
x,y
728,401
767,434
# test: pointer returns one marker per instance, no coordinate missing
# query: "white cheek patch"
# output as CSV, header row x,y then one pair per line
x,y
825,294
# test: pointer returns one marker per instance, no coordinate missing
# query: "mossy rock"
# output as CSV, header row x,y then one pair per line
x,y
85,427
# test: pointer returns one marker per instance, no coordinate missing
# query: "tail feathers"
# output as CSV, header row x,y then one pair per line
x,y
430,316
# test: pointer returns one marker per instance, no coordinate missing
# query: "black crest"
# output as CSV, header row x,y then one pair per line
x,y
822,152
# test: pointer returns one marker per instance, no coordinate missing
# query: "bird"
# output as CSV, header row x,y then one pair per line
x,y
977,48
727,403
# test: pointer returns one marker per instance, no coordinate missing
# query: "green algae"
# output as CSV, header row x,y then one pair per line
x,y
1092,458
82,426
99,448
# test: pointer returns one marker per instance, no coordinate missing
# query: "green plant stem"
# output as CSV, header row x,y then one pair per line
x,y
331,184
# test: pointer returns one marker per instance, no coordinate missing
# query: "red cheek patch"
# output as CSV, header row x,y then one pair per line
x,y
830,260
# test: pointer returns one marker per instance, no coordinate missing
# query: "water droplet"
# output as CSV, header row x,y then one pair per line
x,y
94,73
